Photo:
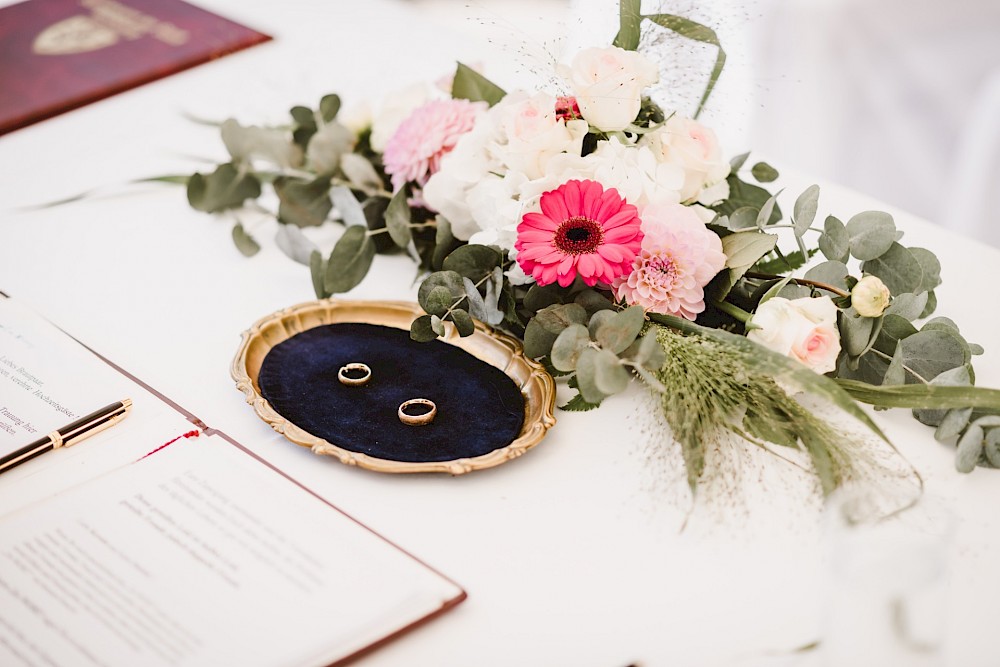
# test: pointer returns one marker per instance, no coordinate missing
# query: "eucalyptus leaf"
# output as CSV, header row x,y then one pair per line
x,y
736,163
855,332
953,423
438,300
437,325
743,250
743,218
348,207
834,242
469,84
764,173
830,272
303,203
894,329
463,322
568,347
359,171
586,377
350,260
421,329
991,447
930,353
931,305
557,317
743,194
908,306
317,268
397,219
897,268
291,241
446,279
329,107
224,188
805,208
930,266
272,145
616,331
609,374
327,146
473,261
895,374
593,301
871,234
969,448
244,242
765,212
444,242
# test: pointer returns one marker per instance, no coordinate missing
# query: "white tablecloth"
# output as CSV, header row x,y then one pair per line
x,y
571,555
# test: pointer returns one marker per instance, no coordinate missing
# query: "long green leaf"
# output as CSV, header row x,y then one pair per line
x,y
630,17
922,396
699,33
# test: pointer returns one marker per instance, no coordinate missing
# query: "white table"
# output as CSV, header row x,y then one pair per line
x,y
571,555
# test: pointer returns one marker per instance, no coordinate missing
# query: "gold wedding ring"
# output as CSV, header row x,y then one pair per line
x,y
349,374
421,419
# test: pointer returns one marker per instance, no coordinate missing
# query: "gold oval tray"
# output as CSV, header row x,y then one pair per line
x,y
495,348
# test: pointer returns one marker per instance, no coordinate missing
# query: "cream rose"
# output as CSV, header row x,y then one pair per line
x,y
695,148
608,85
804,329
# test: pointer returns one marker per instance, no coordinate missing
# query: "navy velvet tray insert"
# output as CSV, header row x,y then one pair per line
x,y
480,408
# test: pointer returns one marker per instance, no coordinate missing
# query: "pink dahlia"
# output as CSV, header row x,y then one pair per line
x,y
583,230
414,152
679,257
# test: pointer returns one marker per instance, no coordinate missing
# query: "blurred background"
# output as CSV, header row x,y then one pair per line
x,y
898,99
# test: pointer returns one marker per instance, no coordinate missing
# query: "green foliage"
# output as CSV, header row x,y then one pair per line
x,y
630,17
225,188
764,173
699,33
303,203
469,84
244,242
350,260
397,219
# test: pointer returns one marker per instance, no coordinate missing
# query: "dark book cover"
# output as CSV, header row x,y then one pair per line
x,y
57,55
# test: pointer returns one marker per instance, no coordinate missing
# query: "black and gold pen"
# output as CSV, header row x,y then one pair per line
x,y
82,428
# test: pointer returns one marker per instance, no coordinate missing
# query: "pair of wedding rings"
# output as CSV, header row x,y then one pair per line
x,y
414,412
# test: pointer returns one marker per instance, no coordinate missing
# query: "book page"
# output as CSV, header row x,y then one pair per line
x,y
200,555
48,380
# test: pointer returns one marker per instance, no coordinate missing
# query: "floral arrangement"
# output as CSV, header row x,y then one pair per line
x,y
611,236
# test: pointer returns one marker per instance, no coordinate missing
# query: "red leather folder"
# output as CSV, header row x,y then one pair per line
x,y
57,55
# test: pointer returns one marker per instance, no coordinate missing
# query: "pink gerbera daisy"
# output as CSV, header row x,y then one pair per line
x,y
583,230
415,150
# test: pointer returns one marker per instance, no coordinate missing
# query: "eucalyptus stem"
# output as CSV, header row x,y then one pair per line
x,y
799,281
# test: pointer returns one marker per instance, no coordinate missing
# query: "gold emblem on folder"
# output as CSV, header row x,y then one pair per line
x,y
77,34
109,22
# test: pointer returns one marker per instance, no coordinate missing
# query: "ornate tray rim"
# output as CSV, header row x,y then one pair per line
x,y
536,385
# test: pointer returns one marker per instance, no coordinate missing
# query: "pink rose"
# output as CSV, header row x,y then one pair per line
x,y
804,329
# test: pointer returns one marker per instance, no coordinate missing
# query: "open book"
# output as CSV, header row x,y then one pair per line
x,y
194,553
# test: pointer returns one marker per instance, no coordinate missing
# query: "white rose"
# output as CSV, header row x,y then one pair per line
x,y
870,297
804,329
357,118
393,110
608,85
695,148
531,133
